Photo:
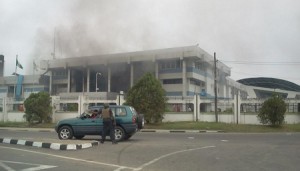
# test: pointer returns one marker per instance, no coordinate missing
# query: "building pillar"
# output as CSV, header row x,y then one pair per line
x,y
237,107
69,81
131,74
195,112
88,80
50,82
183,78
108,78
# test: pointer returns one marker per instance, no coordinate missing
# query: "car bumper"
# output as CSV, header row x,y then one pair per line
x,y
130,128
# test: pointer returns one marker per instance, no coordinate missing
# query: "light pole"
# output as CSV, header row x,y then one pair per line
x,y
97,73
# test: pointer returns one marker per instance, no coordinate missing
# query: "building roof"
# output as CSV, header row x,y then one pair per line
x,y
128,57
272,83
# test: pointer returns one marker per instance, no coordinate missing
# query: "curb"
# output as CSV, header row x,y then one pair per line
x,y
182,131
54,146
28,129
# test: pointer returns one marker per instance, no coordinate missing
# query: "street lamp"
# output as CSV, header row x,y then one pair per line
x,y
98,73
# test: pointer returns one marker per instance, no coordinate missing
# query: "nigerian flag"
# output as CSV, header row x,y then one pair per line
x,y
18,64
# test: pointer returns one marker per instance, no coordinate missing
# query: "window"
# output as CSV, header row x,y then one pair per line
x,y
60,73
172,81
120,111
170,64
199,65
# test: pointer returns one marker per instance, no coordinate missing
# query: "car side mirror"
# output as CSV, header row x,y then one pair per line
x,y
82,116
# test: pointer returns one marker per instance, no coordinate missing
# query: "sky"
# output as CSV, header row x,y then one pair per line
x,y
255,38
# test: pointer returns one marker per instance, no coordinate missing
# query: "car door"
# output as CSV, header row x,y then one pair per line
x,y
88,126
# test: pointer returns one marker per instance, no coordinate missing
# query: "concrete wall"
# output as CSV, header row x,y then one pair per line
x,y
82,101
174,117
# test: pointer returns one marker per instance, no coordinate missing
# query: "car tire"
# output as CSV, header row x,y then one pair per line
x,y
140,121
119,133
65,132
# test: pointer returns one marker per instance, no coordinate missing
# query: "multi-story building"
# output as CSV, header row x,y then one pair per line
x,y
186,73
183,71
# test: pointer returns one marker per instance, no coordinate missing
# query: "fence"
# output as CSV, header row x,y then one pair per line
x,y
178,108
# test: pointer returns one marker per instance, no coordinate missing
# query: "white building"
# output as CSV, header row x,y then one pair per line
x,y
183,71
186,74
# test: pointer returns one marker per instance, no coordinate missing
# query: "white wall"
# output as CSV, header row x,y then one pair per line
x,y
173,117
64,115
15,117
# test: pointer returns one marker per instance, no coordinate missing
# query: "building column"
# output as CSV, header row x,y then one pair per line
x,y
183,78
108,78
50,82
237,107
88,80
131,74
69,80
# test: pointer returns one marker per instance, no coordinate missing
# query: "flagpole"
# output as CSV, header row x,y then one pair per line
x,y
32,77
15,75
16,64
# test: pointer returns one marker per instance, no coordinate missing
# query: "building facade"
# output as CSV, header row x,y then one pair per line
x,y
186,73
183,71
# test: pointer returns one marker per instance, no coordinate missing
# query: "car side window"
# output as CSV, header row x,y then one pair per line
x,y
121,111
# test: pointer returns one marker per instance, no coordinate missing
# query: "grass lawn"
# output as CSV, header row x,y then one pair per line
x,y
187,126
224,127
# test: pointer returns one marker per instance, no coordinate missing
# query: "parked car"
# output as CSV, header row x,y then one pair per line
x,y
126,124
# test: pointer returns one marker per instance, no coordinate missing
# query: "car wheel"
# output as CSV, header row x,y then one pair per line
x,y
79,136
119,133
65,132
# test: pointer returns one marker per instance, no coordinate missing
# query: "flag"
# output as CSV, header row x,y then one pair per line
x,y
35,66
18,64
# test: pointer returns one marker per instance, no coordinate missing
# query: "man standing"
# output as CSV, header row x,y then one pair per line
x,y
108,121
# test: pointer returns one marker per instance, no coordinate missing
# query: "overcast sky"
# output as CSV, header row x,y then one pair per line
x,y
256,38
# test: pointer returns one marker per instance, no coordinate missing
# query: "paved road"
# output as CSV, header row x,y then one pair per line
x,y
161,152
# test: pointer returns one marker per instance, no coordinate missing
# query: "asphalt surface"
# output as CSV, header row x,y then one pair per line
x,y
57,144
163,150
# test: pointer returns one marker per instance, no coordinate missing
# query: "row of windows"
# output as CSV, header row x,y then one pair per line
x,y
172,81
60,73
170,64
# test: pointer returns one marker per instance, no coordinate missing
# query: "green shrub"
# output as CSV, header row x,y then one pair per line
x,y
38,108
272,111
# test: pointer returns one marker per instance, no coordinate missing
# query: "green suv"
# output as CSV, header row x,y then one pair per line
x,y
126,124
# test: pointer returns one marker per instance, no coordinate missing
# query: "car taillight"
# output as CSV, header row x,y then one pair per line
x,y
133,119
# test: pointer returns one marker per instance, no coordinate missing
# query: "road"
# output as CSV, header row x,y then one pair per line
x,y
160,152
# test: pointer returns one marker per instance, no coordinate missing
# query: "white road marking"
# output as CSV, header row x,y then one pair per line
x,y
119,167
5,167
35,168
167,155
70,158
224,140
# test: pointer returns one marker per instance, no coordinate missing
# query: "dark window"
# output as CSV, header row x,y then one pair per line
x,y
172,81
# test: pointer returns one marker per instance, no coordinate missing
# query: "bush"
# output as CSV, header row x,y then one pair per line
x,y
272,111
38,108
149,98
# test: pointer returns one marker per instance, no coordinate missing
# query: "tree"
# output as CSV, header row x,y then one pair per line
x,y
38,107
272,111
149,98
